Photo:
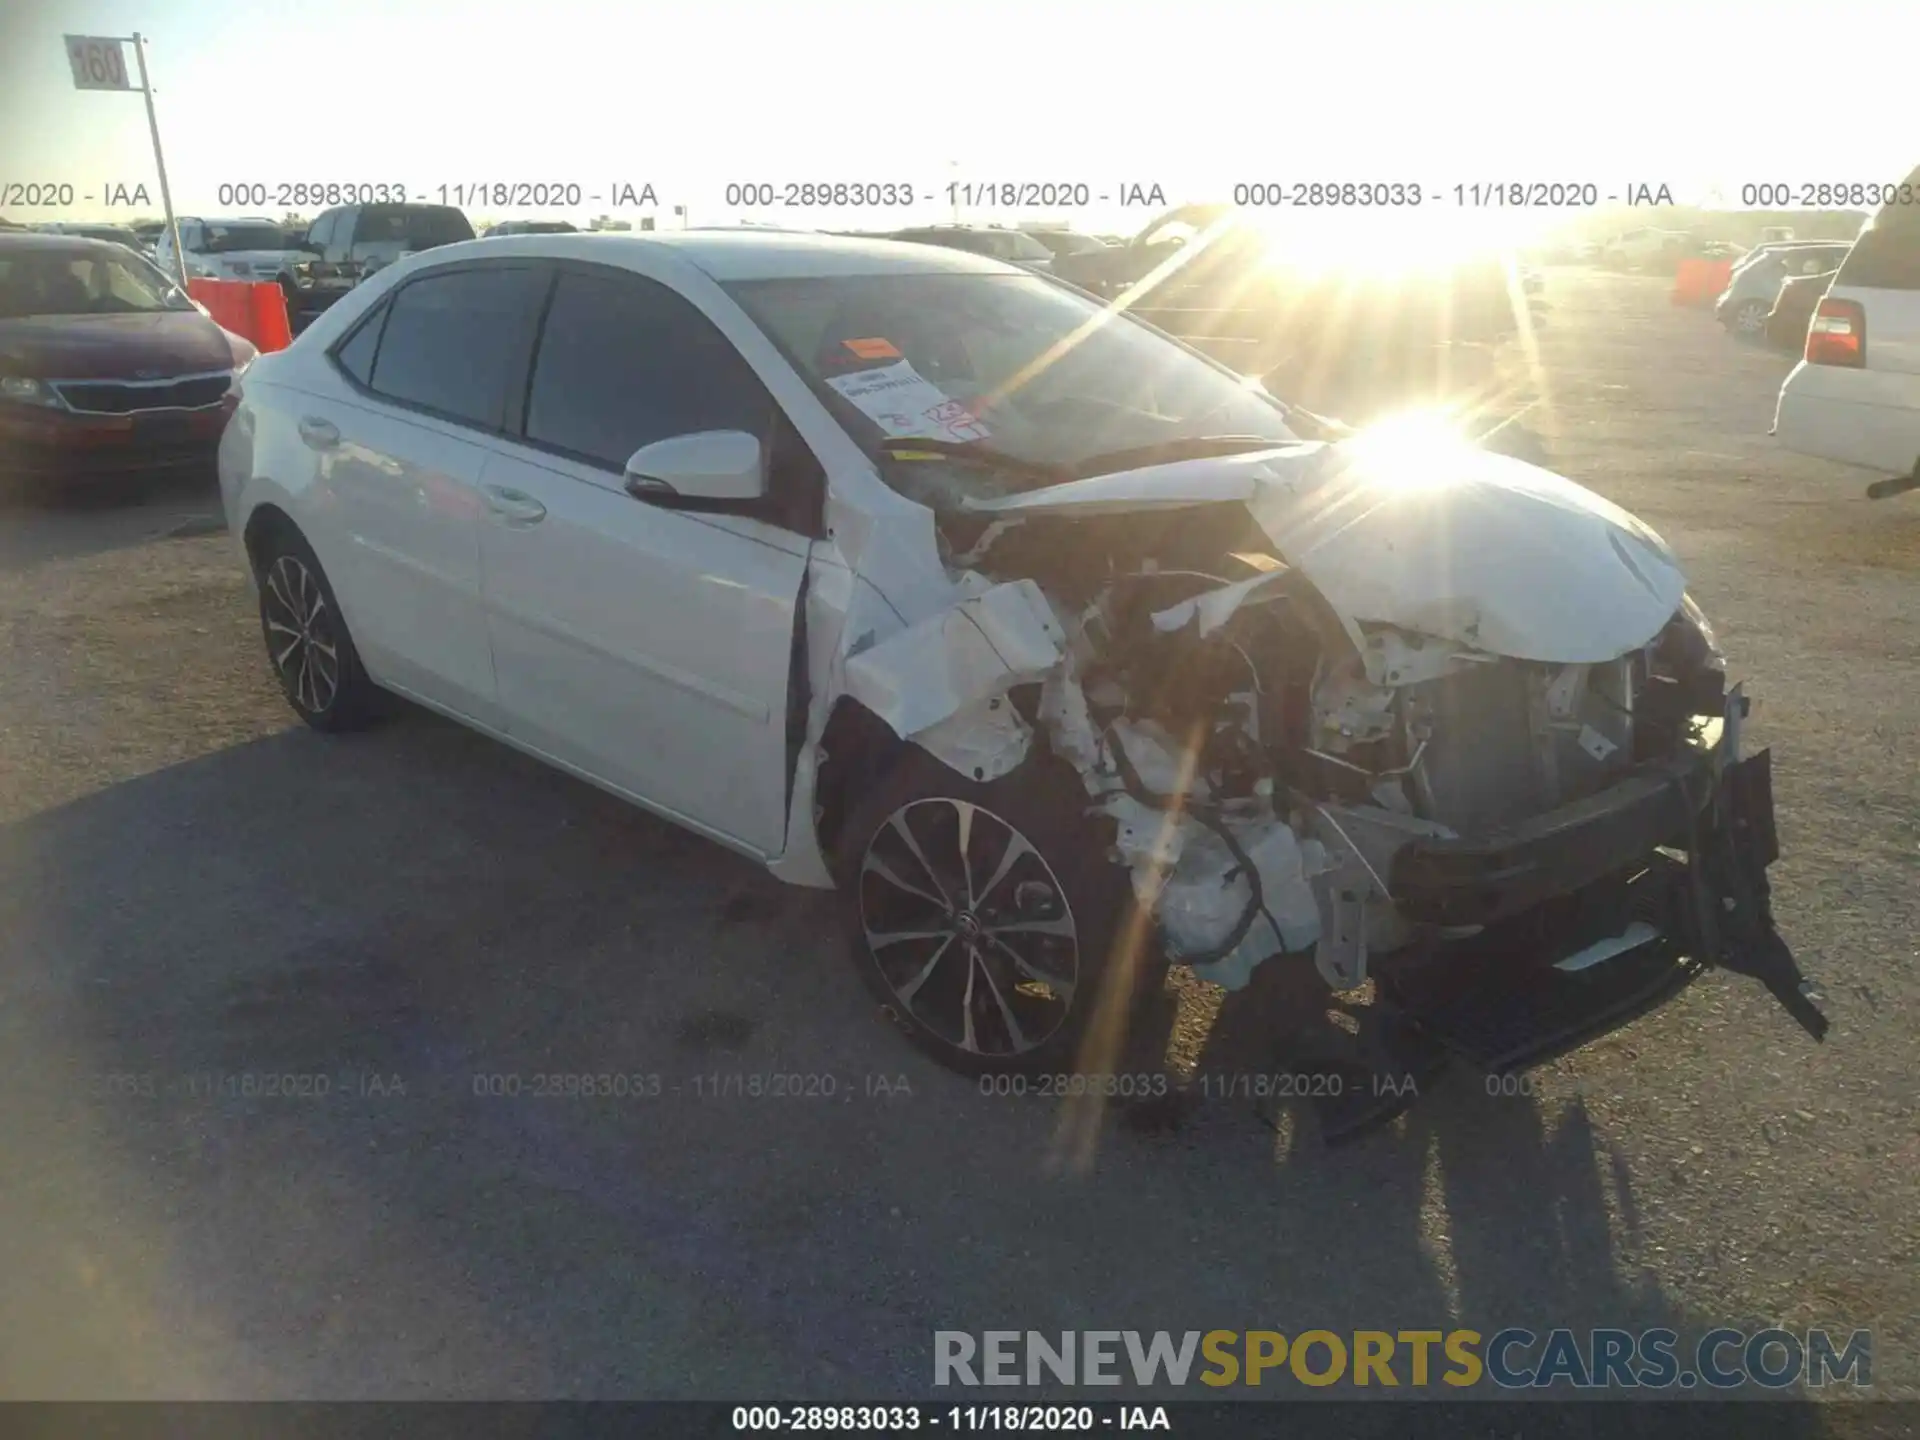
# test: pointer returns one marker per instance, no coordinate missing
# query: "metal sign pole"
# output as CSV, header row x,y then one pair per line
x,y
159,160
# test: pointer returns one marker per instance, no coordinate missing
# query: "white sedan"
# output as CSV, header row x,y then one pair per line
x,y
1060,649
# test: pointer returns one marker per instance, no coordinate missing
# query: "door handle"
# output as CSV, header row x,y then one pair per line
x,y
514,506
320,434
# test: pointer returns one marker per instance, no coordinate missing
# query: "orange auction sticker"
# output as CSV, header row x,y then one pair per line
x,y
873,349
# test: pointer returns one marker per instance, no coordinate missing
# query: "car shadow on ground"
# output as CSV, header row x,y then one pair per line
x,y
48,524
289,1032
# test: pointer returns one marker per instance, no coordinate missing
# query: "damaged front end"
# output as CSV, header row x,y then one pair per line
x,y
1513,798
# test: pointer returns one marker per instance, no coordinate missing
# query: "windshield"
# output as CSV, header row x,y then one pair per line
x,y
54,283
1030,370
227,239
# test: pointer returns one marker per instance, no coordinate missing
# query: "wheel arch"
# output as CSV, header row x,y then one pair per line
x,y
267,520
856,749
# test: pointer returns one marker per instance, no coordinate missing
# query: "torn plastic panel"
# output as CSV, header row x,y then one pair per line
x,y
997,637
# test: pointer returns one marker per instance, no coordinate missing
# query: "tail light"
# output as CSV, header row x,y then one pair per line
x,y
1838,334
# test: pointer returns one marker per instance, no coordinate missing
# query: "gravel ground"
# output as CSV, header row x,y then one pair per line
x,y
191,887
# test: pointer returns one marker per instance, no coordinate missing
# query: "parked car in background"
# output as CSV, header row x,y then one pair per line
x,y
1067,242
1643,249
791,541
1755,284
242,248
1714,250
1793,310
108,372
1855,396
350,242
1768,247
534,227
1016,246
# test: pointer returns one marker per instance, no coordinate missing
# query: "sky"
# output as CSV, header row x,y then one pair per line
x,y
1194,98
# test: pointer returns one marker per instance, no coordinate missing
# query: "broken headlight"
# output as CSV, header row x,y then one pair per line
x,y
1685,677
1704,648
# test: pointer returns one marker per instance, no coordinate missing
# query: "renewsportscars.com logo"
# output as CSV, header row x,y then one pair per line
x,y
1512,1359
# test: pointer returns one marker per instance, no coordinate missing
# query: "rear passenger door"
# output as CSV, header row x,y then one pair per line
x,y
650,648
399,457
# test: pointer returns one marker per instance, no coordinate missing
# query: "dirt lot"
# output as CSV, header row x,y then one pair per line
x,y
192,888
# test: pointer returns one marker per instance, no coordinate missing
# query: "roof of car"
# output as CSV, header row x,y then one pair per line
x,y
55,240
756,254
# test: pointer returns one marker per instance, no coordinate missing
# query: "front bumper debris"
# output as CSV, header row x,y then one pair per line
x,y
1589,917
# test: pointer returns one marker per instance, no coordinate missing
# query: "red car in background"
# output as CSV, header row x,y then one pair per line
x,y
108,372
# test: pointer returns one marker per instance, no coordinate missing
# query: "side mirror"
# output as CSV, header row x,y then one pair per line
x,y
709,465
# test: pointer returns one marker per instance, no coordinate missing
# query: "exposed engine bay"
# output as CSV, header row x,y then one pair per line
x,y
1297,761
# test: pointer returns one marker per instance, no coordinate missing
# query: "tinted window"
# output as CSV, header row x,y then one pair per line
x,y
1887,254
416,226
226,239
451,340
624,362
322,231
356,356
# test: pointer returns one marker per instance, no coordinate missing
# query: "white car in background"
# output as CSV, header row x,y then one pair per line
x,y
1640,247
1055,646
1855,396
247,248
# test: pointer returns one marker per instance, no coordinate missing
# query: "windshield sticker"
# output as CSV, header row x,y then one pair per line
x,y
873,349
907,405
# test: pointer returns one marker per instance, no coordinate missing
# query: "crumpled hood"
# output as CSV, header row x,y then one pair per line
x,y
1446,540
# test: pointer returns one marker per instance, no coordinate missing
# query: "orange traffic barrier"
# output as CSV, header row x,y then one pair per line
x,y
1700,282
254,310
226,302
271,330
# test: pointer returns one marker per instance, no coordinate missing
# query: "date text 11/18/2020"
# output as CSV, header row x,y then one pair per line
x,y
509,194
1205,1085
1477,195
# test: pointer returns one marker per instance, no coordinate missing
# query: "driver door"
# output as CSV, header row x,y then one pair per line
x,y
649,648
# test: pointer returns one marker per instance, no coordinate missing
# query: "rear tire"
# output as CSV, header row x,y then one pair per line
x,y
989,922
306,637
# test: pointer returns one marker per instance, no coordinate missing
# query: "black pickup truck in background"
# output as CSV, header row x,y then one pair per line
x,y
350,242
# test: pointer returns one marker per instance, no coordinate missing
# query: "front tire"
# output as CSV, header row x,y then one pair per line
x,y
306,636
989,922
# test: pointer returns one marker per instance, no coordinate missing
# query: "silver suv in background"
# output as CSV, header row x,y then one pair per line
x,y
1755,284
